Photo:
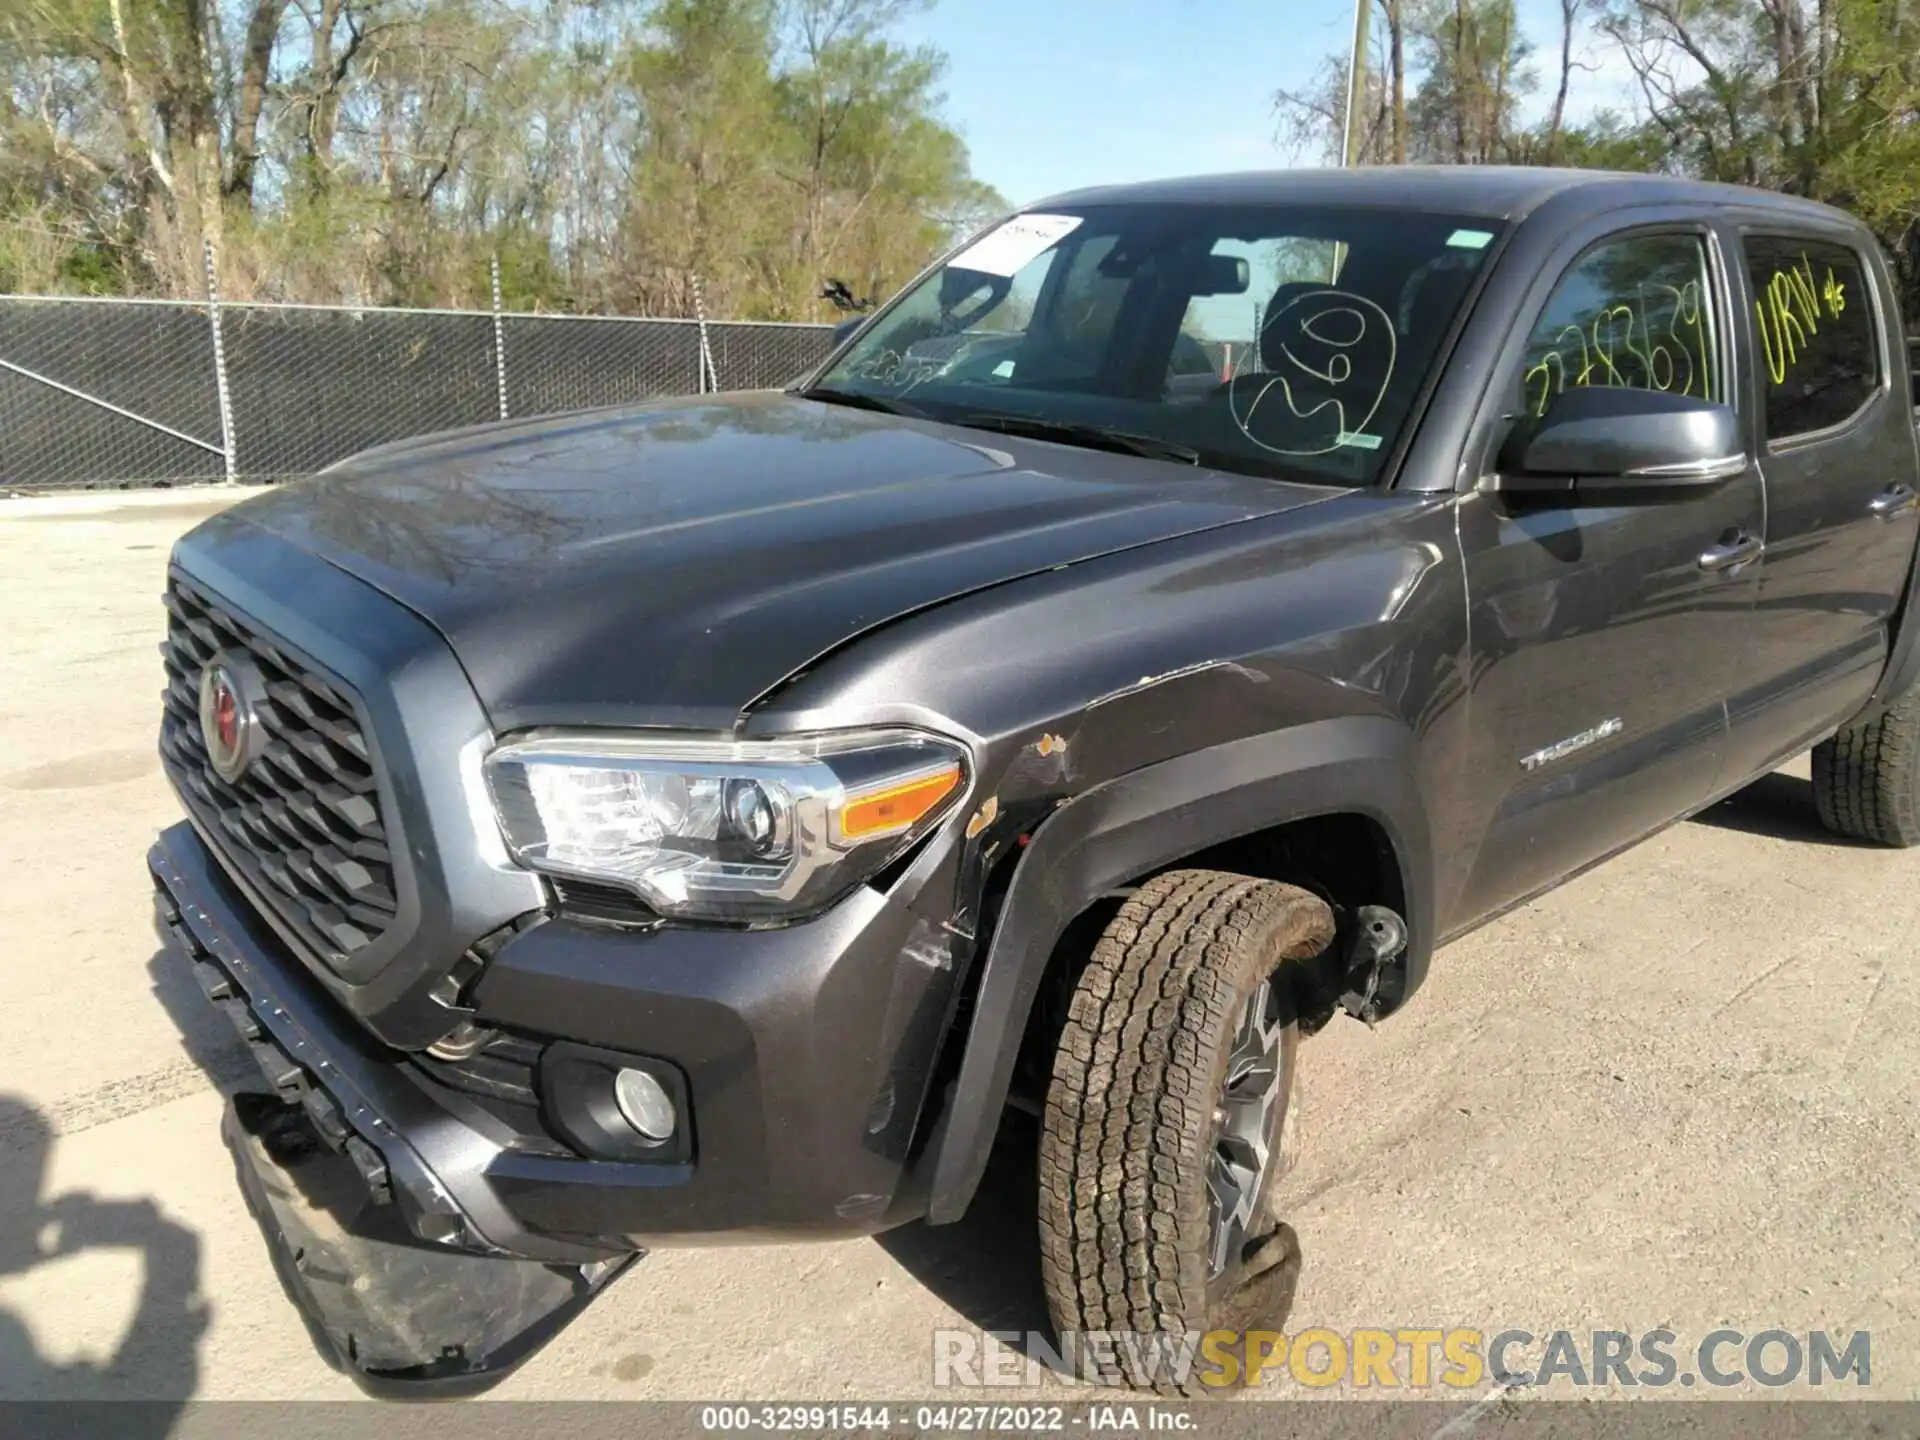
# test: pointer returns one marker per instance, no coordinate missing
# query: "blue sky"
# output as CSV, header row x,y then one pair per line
x,y
1052,94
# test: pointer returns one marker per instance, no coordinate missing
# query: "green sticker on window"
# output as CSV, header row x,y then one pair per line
x,y
1469,239
1359,440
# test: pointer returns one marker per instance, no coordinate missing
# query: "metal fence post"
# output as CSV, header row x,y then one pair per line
x,y
499,336
228,449
707,371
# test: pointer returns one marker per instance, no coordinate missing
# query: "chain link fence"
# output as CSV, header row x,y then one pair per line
x,y
97,393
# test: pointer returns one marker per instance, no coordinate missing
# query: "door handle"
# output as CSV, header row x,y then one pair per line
x,y
1732,554
1897,499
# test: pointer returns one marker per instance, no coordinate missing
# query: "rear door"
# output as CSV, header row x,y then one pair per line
x,y
1605,637
1838,461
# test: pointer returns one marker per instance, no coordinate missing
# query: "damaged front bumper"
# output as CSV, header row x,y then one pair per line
x,y
802,1057
405,1283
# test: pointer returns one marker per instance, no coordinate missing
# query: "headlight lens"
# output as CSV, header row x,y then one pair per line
x,y
723,829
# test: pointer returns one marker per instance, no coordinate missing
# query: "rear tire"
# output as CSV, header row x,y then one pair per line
x,y
1866,779
1167,1120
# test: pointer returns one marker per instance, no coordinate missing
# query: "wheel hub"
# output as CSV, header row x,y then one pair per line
x,y
1243,1141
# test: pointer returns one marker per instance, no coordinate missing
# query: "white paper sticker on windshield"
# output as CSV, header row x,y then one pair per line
x,y
1007,249
1469,239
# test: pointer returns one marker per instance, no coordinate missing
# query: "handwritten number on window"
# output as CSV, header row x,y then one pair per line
x,y
1790,311
1657,340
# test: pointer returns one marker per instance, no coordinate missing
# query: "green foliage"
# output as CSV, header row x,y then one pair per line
x,y
1814,97
89,269
1474,62
381,151
1609,142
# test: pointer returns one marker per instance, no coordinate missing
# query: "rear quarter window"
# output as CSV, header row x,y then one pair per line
x,y
1818,346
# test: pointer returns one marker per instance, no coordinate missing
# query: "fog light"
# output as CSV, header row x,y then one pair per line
x,y
644,1105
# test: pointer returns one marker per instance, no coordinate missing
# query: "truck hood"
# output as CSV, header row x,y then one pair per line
x,y
670,563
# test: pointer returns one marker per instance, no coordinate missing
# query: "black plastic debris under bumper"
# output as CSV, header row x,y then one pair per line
x,y
375,1203
403,1318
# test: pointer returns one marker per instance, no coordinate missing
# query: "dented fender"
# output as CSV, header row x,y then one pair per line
x,y
1143,820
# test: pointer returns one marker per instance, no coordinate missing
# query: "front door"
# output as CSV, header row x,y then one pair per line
x,y
1604,637
1841,501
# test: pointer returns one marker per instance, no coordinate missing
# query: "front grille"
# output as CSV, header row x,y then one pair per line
x,y
303,822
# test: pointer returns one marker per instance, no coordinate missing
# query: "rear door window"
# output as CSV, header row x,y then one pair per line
x,y
1818,343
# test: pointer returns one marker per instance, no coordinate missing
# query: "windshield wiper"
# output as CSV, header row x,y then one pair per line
x,y
1093,437
859,400
1034,427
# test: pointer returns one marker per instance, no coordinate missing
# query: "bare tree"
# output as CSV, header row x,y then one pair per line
x,y
1557,116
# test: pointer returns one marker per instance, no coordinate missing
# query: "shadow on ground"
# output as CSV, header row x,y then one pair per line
x,y
1776,805
987,1267
207,1036
161,1342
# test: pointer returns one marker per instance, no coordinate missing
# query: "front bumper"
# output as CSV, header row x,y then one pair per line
x,y
806,1054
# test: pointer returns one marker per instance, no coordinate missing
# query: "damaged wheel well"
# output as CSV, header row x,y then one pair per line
x,y
1357,831
1346,858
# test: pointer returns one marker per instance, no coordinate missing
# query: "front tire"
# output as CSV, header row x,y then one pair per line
x,y
1167,1118
1866,779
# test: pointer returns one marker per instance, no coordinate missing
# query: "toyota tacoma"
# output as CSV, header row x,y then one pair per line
x,y
1146,638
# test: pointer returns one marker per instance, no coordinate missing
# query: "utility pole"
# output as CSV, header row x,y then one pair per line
x,y
1354,132
1350,137
229,452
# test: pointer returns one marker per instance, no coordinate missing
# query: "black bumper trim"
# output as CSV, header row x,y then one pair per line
x,y
402,1319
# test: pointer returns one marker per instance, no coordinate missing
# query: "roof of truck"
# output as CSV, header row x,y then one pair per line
x,y
1503,191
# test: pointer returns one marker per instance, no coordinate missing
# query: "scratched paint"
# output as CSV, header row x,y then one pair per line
x,y
984,816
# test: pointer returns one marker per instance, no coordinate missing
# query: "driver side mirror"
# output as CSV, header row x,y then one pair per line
x,y
843,328
1608,445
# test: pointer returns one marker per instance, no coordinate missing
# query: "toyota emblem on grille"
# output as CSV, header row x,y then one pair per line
x,y
226,719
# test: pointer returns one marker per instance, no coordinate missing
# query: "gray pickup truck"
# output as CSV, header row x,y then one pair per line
x,y
708,819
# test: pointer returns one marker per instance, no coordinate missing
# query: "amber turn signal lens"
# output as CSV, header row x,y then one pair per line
x,y
885,812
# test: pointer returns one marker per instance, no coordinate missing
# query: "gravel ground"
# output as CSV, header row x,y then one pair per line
x,y
1678,1092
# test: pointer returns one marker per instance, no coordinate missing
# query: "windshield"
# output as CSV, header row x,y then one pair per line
x,y
1272,339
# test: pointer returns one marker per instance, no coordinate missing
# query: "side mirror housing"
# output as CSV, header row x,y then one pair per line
x,y
844,328
1608,445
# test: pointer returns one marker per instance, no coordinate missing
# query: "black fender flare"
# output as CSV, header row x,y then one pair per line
x,y
1142,821
1902,669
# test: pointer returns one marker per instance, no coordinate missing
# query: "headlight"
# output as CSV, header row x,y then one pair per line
x,y
723,829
